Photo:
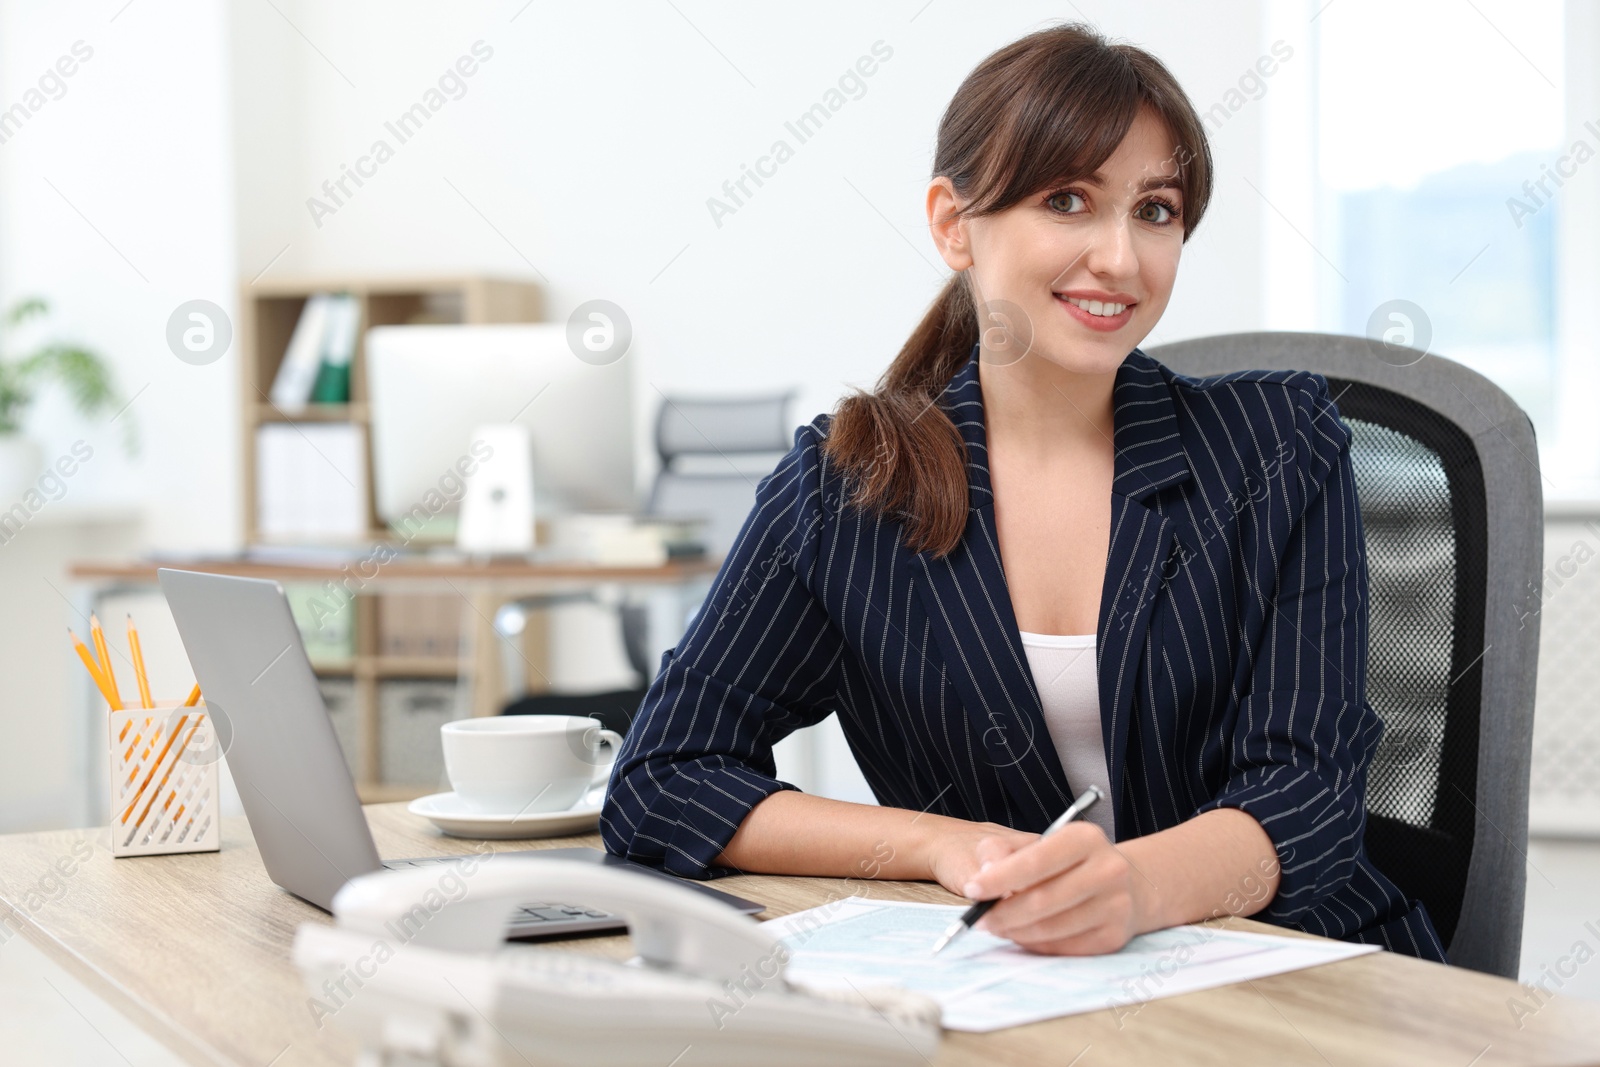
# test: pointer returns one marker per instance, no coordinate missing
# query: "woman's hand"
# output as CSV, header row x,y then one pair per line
x,y
1072,893
959,848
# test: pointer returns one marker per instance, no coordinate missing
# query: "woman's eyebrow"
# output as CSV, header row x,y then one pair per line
x,y
1150,183
1158,182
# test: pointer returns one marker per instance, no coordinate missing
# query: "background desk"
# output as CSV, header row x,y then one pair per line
x,y
195,950
478,588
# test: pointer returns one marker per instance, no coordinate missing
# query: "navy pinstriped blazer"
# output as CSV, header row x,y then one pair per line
x,y
1231,651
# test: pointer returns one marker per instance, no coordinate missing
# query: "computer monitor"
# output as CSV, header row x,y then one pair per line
x,y
431,387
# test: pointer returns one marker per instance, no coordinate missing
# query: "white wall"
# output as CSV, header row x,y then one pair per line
x,y
593,137
118,206
52,756
115,204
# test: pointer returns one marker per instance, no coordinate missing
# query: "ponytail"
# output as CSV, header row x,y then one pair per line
x,y
897,448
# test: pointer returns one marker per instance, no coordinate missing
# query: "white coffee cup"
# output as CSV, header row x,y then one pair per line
x,y
520,764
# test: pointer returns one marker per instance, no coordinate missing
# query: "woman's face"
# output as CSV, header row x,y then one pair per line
x,y
1047,271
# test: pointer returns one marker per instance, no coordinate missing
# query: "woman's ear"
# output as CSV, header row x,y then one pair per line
x,y
949,229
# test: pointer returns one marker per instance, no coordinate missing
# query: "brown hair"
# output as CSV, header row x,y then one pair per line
x,y
1046,109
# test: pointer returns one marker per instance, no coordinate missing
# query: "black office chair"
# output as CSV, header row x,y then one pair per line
x,y
1447,475
713,452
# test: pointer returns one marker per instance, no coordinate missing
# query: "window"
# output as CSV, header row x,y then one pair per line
x,y
1440,152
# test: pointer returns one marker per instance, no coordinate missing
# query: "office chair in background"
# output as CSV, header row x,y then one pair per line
x,y
712,453
1447,474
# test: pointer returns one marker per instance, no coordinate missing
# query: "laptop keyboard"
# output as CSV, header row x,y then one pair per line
x,y
556,913
527,915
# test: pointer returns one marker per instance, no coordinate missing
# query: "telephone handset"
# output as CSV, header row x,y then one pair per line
x,y
418,970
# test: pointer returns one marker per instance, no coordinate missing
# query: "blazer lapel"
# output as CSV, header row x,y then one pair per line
x,y
969,605
1149,457
969,608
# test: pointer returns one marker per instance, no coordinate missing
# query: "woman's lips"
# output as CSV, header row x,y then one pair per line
x,y
1102,323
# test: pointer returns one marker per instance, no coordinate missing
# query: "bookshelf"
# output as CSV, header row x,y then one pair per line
x,y
268,311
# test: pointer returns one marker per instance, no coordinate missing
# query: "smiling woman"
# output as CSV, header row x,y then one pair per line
x,y
936,562
1037,116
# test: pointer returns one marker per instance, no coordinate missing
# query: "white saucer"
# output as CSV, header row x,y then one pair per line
x,y
451,815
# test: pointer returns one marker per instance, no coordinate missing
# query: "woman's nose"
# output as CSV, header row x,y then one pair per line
x,y
1110,249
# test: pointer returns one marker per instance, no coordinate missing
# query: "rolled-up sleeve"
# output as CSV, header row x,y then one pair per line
x,y
758,661
1304,733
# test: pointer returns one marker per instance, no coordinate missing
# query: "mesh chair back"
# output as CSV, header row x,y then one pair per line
x,y
1448,484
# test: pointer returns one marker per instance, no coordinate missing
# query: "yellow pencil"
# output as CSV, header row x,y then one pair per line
x,y
138,666
94,669
194,696
163,783
155,766
98,636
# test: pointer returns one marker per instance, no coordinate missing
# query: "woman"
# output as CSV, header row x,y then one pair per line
x,y
1034,559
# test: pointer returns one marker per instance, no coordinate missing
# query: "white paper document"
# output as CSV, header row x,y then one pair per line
x,y
988,983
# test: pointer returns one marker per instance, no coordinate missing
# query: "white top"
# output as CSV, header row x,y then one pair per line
x,y
1063,667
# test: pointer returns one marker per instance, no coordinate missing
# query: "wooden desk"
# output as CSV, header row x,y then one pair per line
x,y
195,949
535,576
481,585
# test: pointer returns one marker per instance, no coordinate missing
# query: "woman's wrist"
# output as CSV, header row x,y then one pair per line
x,y
920,846
952,849
931,838
1196,870
1152,909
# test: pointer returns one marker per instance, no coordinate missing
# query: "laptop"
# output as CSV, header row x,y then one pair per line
x,y
291,774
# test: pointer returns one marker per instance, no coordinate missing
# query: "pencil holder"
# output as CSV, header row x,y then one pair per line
x,y
164,781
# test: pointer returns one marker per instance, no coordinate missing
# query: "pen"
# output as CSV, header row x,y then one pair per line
x,y
1084,802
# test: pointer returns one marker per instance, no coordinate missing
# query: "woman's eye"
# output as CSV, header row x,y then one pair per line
x,y
1163,214
1062,202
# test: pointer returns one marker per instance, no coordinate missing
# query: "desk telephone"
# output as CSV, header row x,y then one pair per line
x,y
422,980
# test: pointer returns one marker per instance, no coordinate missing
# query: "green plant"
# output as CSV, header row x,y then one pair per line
x,y
83,373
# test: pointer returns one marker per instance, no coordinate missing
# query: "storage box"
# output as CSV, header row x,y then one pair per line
x,y
410,712
326,621
339,697
419,624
